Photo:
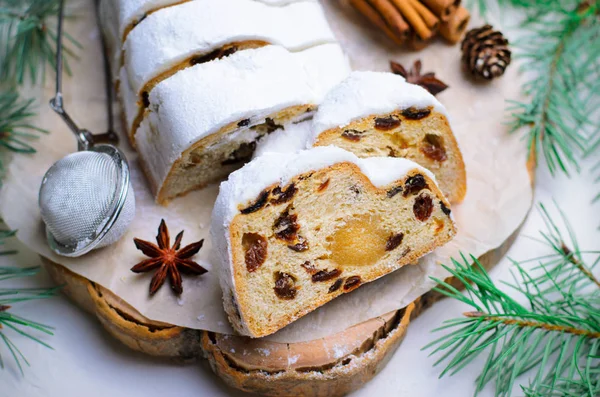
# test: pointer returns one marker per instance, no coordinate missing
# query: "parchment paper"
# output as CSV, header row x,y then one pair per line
x,y
499,192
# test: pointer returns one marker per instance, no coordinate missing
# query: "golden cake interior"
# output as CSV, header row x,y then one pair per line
x,y
324,234
421,135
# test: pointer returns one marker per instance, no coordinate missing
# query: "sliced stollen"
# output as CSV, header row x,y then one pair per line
x,y
295,230
199,31
203,122
380,114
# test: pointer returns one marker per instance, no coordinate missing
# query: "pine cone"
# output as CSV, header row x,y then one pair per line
x,y
485,52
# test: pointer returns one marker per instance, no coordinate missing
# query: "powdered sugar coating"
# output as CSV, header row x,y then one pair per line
x,y
168,37
200,100
366,93
130,12
288,140
245,184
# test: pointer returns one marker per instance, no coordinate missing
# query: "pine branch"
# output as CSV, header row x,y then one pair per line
x,y
8,297
27,39
15,129
557,336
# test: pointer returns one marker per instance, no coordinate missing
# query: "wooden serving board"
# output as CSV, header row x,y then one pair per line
x,y
313,368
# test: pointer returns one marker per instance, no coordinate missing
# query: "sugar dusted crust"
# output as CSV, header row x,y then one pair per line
x,y
421,135
197,119
330,209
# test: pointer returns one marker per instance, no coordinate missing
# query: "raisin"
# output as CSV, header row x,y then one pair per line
x,y
258,204
387,123
445,209
325,275
423,207
283,196
323,186
309,267
394,241
413,113
394,191
300,246
211,56
352,283
352,135
414,184
242,154
433,147
285,286
355,189
286,227
335,286
244,123
255,247
271,126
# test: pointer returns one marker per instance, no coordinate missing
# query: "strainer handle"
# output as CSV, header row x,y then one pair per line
x,y
85,139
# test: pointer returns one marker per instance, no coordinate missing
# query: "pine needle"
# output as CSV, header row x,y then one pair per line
x,y
557,336
27,39
8,298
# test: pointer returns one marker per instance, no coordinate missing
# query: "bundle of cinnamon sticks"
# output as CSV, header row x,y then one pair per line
x,y
416,22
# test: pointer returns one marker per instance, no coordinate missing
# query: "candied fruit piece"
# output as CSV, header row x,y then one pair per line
x,y
359,242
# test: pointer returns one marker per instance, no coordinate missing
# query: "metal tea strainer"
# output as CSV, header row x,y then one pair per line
x,y
86,198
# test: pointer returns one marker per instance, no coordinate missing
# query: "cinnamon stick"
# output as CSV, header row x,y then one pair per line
x,y
376,19
392,17
443,9
453,29
416,43
430,20
413,18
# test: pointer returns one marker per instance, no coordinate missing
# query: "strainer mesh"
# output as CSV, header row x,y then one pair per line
x,y
77,196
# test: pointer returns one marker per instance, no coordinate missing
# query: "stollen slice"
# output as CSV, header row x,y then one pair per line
x,y
380,114
204,121
295,230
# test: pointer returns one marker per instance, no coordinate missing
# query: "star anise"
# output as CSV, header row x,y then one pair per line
x,y
170,261
414,76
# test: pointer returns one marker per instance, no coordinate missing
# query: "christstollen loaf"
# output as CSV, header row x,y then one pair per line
x,y
199,31
119,17
203,122
295,230
380,114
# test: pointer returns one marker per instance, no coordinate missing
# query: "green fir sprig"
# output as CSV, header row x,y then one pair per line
x,y
16,131
27,39
554,336
12,323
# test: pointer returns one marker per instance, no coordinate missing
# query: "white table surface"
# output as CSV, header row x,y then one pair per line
x,y
86,361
